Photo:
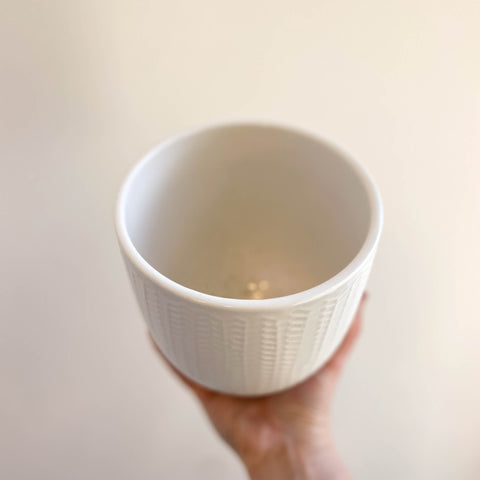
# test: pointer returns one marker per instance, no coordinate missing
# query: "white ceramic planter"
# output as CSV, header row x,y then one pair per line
x,y
213,222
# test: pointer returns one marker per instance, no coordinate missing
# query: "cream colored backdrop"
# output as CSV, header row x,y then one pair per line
x,y
87,87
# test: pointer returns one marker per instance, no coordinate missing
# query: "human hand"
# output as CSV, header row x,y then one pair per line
x,y
285,435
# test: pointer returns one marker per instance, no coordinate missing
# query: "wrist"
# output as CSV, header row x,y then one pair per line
x,y
291,462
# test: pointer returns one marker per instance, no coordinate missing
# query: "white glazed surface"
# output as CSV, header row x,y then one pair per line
x,y
252,352
239,345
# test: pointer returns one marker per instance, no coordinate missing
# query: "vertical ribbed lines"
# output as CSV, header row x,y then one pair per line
x,y
247,352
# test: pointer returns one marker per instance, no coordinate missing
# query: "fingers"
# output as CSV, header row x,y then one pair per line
x,y
201,392
336,363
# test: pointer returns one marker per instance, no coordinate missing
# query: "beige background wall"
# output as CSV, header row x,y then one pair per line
x,y
88,87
